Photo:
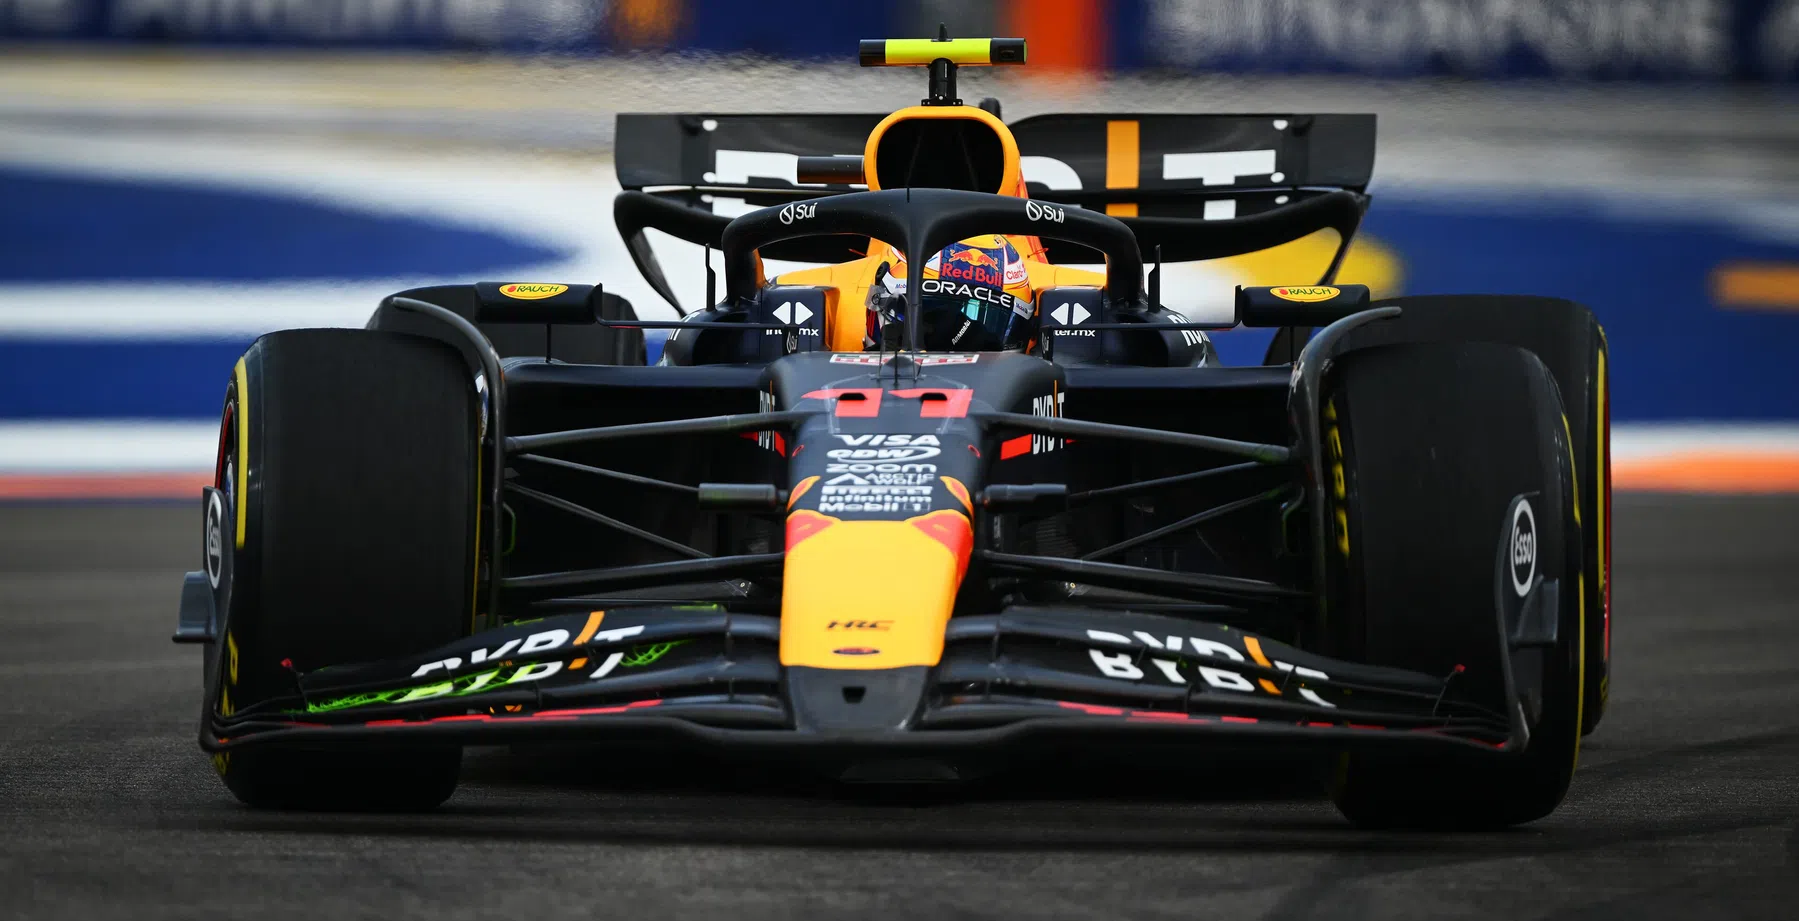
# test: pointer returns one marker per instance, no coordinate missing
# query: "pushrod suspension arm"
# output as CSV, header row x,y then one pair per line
x,y
1140,577
1131,489
1081,428
651,482
1192,520
582,511
705,425
555,584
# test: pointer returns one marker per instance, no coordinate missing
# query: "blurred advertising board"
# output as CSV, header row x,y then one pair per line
x,y
568,25
1579,39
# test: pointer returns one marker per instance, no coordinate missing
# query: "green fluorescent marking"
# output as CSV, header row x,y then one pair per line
x,y
458,687
355,700
638,657
647,655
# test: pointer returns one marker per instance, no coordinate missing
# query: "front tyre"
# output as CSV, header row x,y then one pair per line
x,y
1452,484
351,459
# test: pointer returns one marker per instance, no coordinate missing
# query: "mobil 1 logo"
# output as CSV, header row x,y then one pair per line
x,y
882,500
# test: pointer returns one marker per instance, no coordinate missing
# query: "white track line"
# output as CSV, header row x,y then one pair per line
x,y
1640,441
107,447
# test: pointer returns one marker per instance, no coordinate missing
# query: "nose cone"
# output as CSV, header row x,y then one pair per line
x,y
863,609
869,595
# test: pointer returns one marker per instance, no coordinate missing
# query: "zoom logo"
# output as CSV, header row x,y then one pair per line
x,y
1037,212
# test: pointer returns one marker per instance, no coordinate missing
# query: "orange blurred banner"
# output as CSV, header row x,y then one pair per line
x,y
1740,472
1757,285
64,486
1060,35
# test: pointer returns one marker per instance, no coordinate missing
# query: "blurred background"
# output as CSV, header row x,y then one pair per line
x,y
179,176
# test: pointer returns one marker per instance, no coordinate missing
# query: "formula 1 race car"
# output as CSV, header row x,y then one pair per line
x,y
943,504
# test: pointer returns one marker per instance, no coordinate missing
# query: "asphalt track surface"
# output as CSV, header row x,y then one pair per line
x,y
1686,804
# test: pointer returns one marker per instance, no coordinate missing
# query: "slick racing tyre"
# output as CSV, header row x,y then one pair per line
x,y
1593,460
1455,552
1571,343
350,457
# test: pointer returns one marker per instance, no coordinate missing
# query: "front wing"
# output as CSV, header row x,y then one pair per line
x,y
705,675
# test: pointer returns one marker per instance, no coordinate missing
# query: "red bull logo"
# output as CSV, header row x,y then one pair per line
x,y
975,265
974,257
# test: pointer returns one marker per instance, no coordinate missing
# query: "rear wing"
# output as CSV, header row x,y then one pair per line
x,y
1194,186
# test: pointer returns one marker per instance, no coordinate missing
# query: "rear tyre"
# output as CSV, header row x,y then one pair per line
x,y
1431,449
353,455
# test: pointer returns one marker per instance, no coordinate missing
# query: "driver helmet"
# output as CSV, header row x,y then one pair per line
x,y
975,297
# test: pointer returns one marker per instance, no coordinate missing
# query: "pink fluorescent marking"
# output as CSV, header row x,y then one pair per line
x,y
591,711
1090,708
571,714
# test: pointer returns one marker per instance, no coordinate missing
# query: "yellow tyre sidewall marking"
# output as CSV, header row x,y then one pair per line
x,y
1580,642
242,375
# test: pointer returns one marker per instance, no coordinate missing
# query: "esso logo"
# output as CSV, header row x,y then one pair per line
x,y
798,211
1523,548
215,538
1037,212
